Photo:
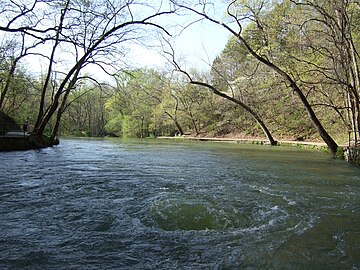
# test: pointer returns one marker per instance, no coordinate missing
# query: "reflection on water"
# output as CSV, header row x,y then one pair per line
x,y
152,204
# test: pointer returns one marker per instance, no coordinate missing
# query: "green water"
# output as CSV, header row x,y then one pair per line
x,y
153,204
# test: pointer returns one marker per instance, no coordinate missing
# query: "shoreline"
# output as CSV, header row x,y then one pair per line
x,y
24,143
311,145
345,152
29,142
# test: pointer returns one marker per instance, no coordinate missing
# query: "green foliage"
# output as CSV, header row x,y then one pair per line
x,y
114,125
340,153
130,127
85,114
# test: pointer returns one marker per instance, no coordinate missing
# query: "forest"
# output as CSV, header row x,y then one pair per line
x,y
289,70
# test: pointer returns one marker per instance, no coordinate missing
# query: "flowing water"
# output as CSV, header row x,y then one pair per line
x,y
153,204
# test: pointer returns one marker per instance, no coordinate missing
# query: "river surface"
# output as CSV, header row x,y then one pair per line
x,y
157,204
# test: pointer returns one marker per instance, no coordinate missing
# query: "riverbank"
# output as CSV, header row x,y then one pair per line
x,y
351,155
313,145
22,143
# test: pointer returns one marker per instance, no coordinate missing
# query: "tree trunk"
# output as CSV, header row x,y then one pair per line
x,y
179,128
58,117
39,121
244,106
315,121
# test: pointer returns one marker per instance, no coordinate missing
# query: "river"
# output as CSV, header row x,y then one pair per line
x,y
156,204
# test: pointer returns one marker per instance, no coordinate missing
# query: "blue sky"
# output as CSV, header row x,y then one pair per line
x,y
197,45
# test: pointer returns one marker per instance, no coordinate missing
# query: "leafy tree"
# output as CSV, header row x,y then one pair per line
x,y
240,11
129,108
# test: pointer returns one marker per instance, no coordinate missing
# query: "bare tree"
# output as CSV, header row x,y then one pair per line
x,y
22,32
336,23
79,34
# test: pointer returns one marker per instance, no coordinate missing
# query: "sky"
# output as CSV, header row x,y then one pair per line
x,y
197,45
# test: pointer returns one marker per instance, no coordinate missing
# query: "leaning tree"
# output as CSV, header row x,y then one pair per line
x,y
239,14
